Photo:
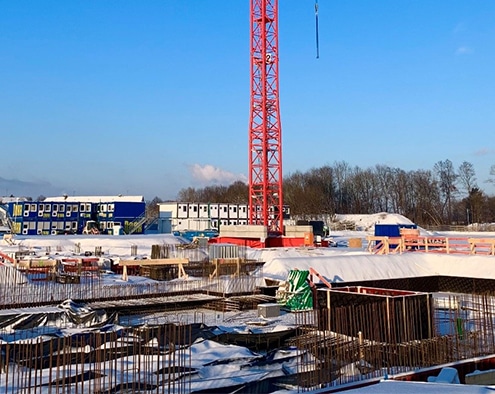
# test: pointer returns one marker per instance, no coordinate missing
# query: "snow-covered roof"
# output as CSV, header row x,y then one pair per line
x,y
95,199
5,200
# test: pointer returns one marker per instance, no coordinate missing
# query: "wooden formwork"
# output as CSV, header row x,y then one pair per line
x,y
179,263
430,244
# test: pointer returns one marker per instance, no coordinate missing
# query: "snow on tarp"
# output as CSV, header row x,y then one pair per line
x,y
69,314
393,386
83,316
233,365
350,267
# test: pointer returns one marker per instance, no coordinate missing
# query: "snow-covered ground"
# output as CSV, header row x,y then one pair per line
x,y
335,263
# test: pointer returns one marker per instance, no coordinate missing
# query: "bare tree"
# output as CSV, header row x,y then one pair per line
x,y
385,180
152,208
426,195
467,176
341,176
187,195
447,183
295,194
492,173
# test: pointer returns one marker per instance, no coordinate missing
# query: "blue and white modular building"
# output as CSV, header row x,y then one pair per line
x,y
70,214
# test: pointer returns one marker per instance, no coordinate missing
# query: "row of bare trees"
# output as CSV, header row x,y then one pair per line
x,y
443,195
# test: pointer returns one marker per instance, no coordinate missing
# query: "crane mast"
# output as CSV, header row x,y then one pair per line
x,y
265,137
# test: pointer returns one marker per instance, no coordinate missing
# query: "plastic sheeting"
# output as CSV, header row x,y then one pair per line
x,y
68,314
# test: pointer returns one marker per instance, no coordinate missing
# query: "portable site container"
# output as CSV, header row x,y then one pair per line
x,y
128,214
43,218
243,212
233,212
182,210
176,216
68,215
391,230
204,211
193,210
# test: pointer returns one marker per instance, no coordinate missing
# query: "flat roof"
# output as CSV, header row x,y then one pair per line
x,y
95,199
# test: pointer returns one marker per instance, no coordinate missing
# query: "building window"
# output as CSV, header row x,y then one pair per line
x,y
48,207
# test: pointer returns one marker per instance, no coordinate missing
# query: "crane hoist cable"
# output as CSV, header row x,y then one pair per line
x,y
316,29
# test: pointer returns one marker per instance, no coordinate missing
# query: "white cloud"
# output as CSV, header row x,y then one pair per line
x,y
463,50
209,174
484,152
459,28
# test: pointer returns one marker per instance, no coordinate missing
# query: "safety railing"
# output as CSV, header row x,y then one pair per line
x,y
431,244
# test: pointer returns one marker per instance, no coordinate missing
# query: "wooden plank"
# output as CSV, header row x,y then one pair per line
x,y
174,261
145,262
478,241
43,263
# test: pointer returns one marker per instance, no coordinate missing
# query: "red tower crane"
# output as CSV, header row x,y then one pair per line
x,y
265,134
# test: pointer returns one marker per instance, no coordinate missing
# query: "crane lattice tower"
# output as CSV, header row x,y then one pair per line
x,y
265,136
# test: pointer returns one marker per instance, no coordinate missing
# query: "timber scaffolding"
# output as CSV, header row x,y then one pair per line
x,y
411,241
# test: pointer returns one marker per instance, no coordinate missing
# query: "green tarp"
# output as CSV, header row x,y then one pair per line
x,y
299,295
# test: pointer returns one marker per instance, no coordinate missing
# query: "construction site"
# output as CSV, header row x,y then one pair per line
x,y
261,308
215,318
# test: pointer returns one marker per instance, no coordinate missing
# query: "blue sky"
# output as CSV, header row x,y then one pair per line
x,y
150,96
